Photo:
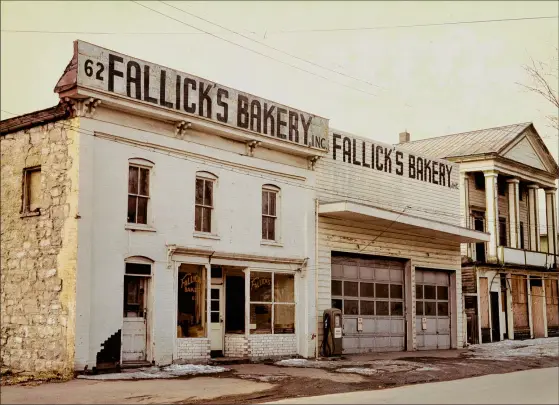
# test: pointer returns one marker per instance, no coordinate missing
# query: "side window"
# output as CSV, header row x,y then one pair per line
x,y
31,190
204,202
138,194
270,197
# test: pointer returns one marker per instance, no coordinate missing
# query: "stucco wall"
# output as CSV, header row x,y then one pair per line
x,y
38,253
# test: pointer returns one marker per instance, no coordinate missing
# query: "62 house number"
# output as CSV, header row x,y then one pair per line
x,y
88,65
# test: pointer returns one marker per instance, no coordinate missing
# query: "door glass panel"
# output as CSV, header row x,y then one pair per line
x,y
367,290
396,308
382,290
351,307
442,292
430,292
442,308
430,308
418,292
215,294
215,305
351,289
396,291
382,307
215,317
419,308
336,287
337,304
367,307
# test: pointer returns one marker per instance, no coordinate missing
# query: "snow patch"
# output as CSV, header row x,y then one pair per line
x,y
358,370
172,371
305,363
427,369
508,349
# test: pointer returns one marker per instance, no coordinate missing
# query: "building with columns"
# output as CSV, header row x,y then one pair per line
x,y
509,284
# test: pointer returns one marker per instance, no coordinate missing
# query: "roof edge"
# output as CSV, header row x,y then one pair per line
x,y
33,119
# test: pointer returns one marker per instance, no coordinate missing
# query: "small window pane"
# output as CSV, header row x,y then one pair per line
x,y
199,191
284,318
215,305
351,288
271,228
133,180
272,203
142,210
336,287
367,290
337,304
261,286
284,287
396,308
396,291
206,219
264,228
367,307
430,292
214,317
419,308
215,294
208,193
132,209
261,317
198,219
430,308
382,307
442,292
265,203
418,291
144,181
382,291
442,308
351,307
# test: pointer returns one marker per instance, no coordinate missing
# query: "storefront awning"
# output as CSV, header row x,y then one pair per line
x,y
399,221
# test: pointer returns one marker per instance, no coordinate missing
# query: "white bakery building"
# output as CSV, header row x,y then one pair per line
x,y
157,217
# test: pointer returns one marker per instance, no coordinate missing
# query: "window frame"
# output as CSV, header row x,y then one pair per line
x,y
273,301
212,179
25,192
270,189
145,165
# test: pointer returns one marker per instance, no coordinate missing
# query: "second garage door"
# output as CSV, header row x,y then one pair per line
x,y
370,293
432,311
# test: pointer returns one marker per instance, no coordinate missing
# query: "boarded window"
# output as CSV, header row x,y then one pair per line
x,y
269,214
204,205
31,189
502,231
138,194
272,310
552,303
191,311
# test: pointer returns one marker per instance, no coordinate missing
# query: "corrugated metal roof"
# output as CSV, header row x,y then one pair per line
x,y
490,140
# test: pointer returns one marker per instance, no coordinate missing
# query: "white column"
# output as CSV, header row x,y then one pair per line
x,y
533,218
551,220
491,214
208,300
469,248
514,212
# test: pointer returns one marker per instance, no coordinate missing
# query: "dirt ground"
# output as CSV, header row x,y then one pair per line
x,y
270,381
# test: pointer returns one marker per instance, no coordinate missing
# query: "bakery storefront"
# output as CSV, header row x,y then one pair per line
x,y
388,252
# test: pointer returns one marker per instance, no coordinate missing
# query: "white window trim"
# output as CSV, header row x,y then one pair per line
x,y
277,226
213,234
149,225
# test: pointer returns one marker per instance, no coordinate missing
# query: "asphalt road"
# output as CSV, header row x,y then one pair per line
x,y
540,386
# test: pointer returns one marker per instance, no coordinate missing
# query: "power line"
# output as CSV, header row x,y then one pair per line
x,y
271,47
418,25
106,33
254,51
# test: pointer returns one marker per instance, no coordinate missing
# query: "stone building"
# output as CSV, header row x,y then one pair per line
x,y
510,283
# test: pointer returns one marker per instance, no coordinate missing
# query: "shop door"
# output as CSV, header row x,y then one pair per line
x,y
537,310
134,325
370,293
432,311
216,318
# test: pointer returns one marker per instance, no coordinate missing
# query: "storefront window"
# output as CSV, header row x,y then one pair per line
x,y
191,311
272,310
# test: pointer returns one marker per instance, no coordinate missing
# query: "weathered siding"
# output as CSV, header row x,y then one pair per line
x,y
371,239
38,252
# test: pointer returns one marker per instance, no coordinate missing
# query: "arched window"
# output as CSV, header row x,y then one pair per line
x,y
270,210
139,172
204,202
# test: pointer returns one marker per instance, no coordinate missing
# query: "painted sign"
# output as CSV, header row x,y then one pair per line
x,y
118,74
388,159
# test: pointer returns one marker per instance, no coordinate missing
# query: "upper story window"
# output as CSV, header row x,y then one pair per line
x,y
270,196
138,193
479,181
502,231
204,203
31,190
501,187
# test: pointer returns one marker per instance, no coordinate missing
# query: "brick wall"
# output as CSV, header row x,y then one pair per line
x,y
197,349
272,345
236,346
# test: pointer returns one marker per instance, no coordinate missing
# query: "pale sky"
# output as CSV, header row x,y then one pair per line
x,y
431,80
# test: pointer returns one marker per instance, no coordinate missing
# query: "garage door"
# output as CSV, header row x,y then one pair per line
x,y
370,293
432,309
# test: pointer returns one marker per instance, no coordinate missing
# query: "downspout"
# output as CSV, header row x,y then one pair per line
x,y
316,267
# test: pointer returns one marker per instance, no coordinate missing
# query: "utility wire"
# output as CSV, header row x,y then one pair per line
x,y
254,51
271,47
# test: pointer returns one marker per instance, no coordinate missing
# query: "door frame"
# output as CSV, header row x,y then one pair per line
x,y
148,300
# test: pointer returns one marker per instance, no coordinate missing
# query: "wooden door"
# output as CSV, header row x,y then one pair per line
x,y
537,312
